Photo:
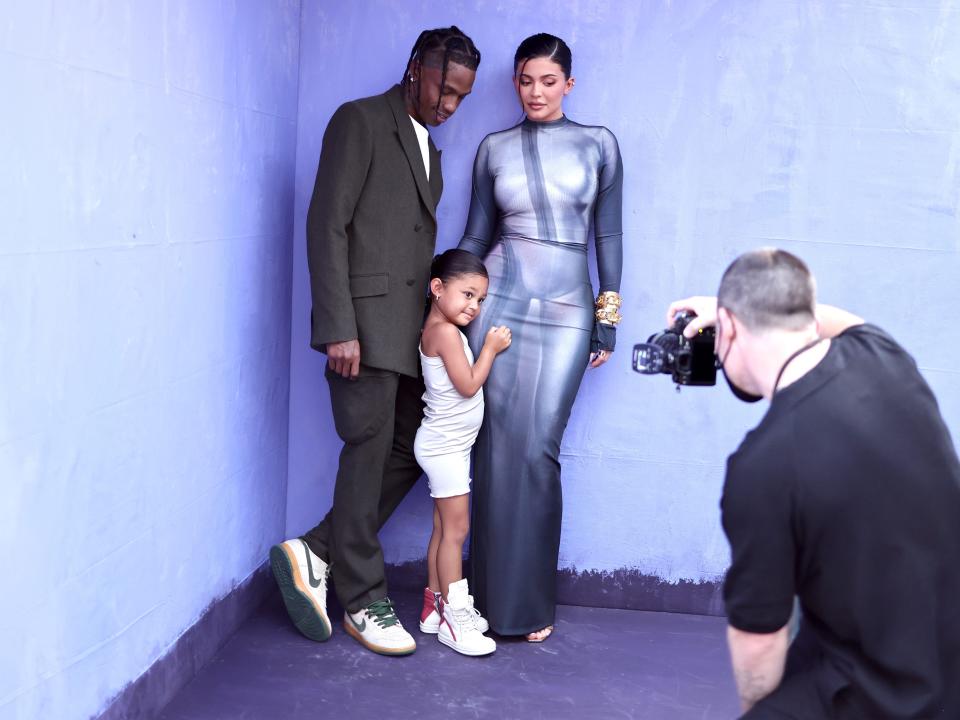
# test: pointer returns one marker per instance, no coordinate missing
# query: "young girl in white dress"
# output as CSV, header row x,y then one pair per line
x,y
452,419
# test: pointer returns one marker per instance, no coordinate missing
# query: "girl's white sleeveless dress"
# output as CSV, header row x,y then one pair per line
x,y
448,430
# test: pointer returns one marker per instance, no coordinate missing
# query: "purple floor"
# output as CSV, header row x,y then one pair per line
x,y
598,664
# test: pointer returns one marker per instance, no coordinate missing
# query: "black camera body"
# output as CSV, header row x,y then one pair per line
x,y
690,361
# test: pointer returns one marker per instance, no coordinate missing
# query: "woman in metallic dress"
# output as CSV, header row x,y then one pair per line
x,y
538,188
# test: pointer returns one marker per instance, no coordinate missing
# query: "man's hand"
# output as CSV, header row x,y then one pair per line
x,y
344,358
705,308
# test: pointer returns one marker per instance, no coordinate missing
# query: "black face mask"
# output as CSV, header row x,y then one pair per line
x,y
738,393
742,394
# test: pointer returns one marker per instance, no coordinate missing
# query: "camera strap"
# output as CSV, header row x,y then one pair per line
x,y
790,359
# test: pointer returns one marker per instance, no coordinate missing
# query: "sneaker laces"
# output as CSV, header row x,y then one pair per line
x,y
466,616
382,613
475,612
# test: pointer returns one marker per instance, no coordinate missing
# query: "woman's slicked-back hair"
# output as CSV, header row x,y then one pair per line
x,y
455,263
769,289
438,48
544,45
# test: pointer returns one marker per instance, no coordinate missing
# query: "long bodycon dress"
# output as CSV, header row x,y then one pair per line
x,y
537,189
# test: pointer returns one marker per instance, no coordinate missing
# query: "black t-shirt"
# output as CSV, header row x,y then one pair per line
x,y
847,494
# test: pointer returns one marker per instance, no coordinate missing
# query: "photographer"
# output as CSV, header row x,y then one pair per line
x,y
846,495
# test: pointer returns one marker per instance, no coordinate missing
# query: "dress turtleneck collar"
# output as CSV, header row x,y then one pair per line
x,y
562,120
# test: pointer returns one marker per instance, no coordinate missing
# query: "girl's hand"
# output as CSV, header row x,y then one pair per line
x,y
498,338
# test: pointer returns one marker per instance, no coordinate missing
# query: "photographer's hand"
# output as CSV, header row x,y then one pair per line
x,y
703,306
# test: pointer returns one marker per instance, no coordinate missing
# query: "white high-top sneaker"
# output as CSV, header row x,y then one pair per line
x,y
302,577
430,614
458,624
378,628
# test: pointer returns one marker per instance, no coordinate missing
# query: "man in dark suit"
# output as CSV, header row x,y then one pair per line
x,y
371,234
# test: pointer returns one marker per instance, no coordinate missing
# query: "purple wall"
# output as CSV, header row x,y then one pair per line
x,y
147,191
832,130
158,160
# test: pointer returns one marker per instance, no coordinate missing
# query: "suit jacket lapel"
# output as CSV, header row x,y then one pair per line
x,y
411,148
436,174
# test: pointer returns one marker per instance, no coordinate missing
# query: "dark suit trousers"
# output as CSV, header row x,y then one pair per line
x,y
377,417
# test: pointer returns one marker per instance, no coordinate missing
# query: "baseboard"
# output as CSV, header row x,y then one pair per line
x,y
627,589
633,590
146,696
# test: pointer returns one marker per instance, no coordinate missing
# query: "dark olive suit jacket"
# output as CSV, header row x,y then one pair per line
x,y
371,232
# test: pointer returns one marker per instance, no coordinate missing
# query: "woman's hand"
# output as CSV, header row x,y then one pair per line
x,y
602,342
600,357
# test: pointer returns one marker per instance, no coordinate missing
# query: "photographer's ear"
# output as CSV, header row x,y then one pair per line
x,y
726,330
725,324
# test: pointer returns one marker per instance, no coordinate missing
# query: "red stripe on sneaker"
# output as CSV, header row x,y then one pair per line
x,y
430,603
443,617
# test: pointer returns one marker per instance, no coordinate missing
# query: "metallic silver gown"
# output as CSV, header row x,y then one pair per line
x,y
537,190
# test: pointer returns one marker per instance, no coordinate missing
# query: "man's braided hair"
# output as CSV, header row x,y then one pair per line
x,y
438,48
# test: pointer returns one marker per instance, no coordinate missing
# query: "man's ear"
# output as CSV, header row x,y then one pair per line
x,y
413,70
725,317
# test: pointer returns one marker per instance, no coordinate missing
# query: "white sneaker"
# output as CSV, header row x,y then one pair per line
x,y
302,577
458,626
430,615
378,628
